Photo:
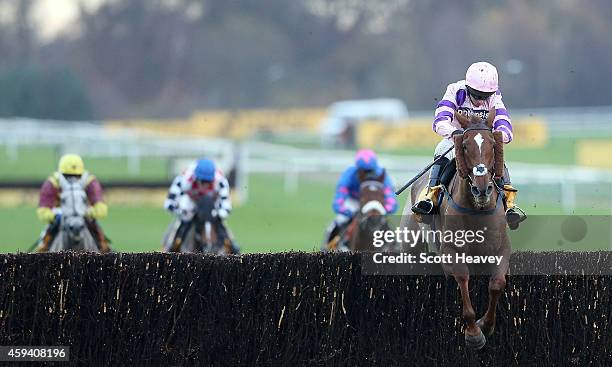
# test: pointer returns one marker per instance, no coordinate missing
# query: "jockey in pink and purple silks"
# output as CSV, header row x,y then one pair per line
x,y
477,94
346,200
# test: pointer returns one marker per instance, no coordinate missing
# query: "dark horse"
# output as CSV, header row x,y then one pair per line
x,y
473,201
205,233
371,215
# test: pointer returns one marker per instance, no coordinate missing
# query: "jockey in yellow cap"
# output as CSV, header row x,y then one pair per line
x,y
71,167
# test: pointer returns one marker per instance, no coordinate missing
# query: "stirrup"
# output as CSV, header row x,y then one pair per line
x,y
514,216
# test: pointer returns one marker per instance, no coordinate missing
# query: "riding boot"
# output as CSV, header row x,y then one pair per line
x,y
99,236
425,202
229,244
514,214
43,245
48,236
179,236
333,236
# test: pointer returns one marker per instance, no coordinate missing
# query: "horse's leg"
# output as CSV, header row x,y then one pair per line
x,y
474,338
497,283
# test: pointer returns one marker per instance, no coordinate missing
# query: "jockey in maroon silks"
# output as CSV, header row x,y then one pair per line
x,y
71,169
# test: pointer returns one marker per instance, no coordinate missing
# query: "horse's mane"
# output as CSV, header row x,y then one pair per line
x,y
474,121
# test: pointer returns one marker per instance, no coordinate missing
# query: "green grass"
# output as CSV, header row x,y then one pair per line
x,y
270,221
38,162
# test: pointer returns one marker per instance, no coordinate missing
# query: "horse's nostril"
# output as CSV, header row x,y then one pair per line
x,y
475,191
489,189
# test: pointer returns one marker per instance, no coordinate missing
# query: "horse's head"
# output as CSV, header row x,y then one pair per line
x,y
372,212
205,236
204,208
372,194
479,155
74,227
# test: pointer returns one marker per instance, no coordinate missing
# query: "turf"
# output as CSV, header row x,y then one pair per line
x,y
38,162
270,221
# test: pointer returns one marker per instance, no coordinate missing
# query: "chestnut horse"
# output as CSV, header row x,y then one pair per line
x,y
472,200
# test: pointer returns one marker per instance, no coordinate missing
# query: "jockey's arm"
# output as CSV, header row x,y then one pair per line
x,y
95,196
224,203
444,113
46,201
175,191
342,194
502,120
390,199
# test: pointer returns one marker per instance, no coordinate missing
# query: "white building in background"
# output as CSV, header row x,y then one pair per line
x,y
338,128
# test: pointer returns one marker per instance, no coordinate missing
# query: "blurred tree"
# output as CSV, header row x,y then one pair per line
x,y
47,94
161,58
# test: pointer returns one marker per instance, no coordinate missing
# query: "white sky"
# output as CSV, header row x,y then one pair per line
x,y
54,16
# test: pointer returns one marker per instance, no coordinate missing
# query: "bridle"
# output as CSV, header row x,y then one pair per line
x,y
478,170
372,204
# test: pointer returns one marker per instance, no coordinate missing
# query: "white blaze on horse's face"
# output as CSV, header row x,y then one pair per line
x,y
479,140
374,205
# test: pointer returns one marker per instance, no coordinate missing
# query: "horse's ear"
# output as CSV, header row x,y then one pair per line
x,y
490,118
361,175
463,120
381,177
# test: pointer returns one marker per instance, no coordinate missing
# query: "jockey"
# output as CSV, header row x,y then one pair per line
x,y
475,95
346,200
71,169
200,178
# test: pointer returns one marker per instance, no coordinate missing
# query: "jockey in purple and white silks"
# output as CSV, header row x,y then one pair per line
x,y
346,200
478,93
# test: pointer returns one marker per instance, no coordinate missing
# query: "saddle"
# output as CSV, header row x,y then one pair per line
x,y
448,172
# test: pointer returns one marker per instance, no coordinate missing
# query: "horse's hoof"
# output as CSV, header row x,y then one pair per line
x,y
475,342
488,331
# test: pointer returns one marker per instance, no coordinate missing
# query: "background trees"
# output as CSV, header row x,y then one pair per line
x,y
161,58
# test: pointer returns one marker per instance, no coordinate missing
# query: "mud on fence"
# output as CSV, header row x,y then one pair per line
x,y
292,309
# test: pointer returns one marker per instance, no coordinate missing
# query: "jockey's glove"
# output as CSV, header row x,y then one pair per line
x,y
220,213
97,211
45,214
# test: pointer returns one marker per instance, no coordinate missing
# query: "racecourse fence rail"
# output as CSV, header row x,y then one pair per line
x,y
292,309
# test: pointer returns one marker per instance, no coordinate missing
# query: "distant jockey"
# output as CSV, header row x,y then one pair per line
x,y
200,178
71,169
346,201
478,93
